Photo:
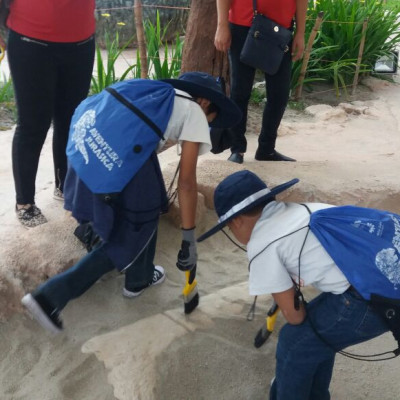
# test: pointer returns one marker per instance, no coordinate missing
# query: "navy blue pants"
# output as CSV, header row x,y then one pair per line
x,y
50,80
304,363
277,88
75,281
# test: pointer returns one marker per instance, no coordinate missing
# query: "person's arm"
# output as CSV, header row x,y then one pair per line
x,y
222,40
187,184
285,301
187,197
298,40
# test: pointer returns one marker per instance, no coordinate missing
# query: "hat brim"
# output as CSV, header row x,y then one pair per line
x,y
229,113
274,191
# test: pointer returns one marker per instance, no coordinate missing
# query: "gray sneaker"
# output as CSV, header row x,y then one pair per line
x,y
58,194
158,277
31,216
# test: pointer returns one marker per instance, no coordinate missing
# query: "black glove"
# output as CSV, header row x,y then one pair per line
x,y
187,256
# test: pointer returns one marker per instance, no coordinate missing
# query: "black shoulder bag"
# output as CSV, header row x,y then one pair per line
x,y
266,43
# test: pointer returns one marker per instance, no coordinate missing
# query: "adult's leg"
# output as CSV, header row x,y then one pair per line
x,y
304,362
277,92
74,62
242,77
75,281
33,73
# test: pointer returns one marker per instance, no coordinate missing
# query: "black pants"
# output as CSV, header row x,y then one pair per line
x,y
277,88
50,80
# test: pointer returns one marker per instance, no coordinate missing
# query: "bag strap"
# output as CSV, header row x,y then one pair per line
x,y
255,7
136,111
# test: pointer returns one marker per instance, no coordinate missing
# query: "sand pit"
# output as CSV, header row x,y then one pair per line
x,y
146,348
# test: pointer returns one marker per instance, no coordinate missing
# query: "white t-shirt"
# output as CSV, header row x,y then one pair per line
x,y
187,123
274,262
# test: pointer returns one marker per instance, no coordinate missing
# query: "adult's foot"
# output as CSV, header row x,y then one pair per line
x,y
236,158
274,156
29,215
58,194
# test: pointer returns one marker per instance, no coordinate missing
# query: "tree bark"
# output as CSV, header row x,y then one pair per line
x,y
140,38
199,52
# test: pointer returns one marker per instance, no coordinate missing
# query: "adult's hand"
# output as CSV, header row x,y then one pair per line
x,y
222,40
297,47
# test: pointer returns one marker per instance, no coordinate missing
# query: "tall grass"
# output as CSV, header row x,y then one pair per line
x,y
105,70
164,59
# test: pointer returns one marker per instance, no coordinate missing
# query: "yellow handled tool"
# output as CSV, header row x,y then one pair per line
x,y
2,53
268,327
190,293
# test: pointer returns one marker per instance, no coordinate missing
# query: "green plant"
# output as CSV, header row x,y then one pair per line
x,y
164,60
257,96
6,90
341,34
105,70
335,50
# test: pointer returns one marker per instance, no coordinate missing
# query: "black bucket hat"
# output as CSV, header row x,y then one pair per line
x,y
200,84
239,193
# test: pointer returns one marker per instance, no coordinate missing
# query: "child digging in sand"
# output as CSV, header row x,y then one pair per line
x,y
276,236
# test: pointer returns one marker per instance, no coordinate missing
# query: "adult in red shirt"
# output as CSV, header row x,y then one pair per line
x,y
50,52
234,20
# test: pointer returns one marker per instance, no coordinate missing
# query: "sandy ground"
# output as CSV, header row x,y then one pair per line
x,y
115,348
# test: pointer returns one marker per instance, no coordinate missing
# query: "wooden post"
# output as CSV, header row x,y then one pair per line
x,y
307,53
137,10
199,52
360,54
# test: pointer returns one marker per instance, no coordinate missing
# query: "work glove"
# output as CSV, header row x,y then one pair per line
x,y
187,256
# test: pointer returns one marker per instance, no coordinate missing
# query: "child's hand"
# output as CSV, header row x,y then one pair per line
x,y
187,256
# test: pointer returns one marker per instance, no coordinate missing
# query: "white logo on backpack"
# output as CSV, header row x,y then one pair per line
x,y
95,141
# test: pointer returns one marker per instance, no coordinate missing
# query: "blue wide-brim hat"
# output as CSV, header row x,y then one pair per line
x,y
239,193
200,84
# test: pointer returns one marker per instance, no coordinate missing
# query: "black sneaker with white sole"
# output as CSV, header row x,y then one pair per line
x,y
40,309
158,277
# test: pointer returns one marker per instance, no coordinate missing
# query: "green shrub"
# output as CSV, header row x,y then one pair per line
x,y
336,47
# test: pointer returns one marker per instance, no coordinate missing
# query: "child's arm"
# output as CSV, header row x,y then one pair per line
x,y
187,184
285,301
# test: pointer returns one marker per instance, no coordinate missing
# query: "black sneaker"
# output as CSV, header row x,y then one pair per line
x,y
31,216
40,309
158,277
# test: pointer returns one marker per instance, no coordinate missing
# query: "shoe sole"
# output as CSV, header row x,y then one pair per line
x,y
38,314
128,294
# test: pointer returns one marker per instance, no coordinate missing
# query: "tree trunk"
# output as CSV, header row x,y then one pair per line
x,y
199,52
140,38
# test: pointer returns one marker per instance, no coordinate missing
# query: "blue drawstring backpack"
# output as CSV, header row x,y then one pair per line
x,y
114,132
365,245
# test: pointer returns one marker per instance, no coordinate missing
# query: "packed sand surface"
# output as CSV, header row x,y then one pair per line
x,y
146,348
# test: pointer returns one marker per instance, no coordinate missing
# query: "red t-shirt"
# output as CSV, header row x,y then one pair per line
x,y
53,20
280,11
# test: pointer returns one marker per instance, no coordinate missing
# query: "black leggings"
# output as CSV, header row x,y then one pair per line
x,y
50,80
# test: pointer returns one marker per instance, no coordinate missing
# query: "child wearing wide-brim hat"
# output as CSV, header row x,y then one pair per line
x,y
277,238
126,225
